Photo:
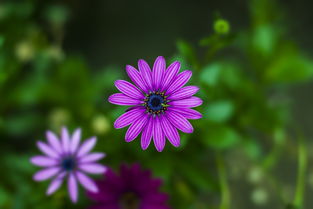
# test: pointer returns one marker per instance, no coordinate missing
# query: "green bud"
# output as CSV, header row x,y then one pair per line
x,y
221,27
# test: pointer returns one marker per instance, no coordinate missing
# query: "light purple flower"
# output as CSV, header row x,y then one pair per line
x,y
160,103
66,158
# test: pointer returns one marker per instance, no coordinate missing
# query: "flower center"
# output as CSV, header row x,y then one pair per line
x,y
155,103
129,200
68,163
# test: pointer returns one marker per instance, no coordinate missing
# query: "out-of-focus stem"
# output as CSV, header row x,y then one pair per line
x,y
225,193
302,167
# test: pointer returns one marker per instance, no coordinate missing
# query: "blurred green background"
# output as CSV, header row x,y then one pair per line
x,y
252,60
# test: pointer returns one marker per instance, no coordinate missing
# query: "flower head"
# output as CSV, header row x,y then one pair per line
x,y
66,158
133,188
160,103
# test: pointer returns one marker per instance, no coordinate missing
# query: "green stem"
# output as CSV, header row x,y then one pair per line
x,y
302,167
225,199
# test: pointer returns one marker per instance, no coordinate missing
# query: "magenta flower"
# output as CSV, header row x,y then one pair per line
x,y
66,158
133,188
160,103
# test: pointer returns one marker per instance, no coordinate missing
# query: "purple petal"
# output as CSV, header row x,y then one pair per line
x,y
145,73
135,76
86,146
92,157
187,113
147,134
179,81
158,135
128,117
72,188
87,182
93,168
75,140
179,121
122,99
56,183
54,141
158,71
47,150
184,93
187,103
65,140
135,128
128,89
46,173
43,161
170,132
170,73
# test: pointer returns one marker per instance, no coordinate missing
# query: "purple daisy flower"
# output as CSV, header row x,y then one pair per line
x,y
66,158
160,103
134,188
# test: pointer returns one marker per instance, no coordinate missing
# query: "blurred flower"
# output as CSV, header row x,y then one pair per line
x,y
67,158
24,51
100,124
133,188
55,52
58,117
255,175
259,196
221,26
160,103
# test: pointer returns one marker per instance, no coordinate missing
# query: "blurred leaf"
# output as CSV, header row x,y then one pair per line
x,y
188,52
211,74
264,39
219,111
221,137
289,67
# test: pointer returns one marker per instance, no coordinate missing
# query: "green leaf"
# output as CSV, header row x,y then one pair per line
x,y
219,111
188,52
221,137
210,74
290,67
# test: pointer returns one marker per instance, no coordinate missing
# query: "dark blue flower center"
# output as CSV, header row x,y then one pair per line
x,y
156,103
68,163
129,200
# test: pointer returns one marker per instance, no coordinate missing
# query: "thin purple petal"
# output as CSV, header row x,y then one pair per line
x,y
47,150
54,141
170,132
158,71
72,187
65,140
135,128
56,183
86,146
128,89
179,121
93,168
86,182
187,103
75,140
184,93
145,73
187,113
169,75
135,76
179,81
43,161
92,157
122,99
46,173
147,134
129,117
158,135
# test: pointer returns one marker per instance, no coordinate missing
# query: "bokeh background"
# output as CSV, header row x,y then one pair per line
x,y
252,60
